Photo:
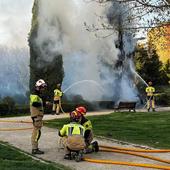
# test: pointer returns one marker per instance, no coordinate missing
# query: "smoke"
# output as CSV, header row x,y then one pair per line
x,y
15,22
15,19
14,71
85,56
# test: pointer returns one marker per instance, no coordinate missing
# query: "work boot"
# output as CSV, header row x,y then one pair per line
x,y
37,151
95,146
53,113
67,156
79,156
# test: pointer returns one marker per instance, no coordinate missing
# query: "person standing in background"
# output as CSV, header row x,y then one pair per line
x,y
150,90
57,99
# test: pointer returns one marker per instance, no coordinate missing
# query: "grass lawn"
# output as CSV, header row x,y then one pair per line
x,y
152,129
12,159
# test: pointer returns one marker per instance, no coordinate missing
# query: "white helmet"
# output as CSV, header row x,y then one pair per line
x,y
40,83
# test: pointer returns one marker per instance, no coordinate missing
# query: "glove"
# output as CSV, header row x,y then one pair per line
x,y
48,103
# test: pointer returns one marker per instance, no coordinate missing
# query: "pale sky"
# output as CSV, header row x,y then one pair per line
x,y
15,22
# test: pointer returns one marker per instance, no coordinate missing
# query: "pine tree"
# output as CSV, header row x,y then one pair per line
x,y
150,67
51,71
167,66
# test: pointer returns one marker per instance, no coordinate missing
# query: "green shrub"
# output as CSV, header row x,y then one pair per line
x,y
16,110
162,99
21,109
9,102
91,106
3,109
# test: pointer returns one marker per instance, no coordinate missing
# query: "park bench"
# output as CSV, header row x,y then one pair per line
x,y
125,105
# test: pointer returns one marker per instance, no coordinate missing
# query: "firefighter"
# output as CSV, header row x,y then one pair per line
x,y
150,90
90,146
37,112
73,135
57,99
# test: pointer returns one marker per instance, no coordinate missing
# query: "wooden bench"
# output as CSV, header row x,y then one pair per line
x,y
126,105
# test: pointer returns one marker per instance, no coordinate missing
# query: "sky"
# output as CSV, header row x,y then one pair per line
x,y
15,22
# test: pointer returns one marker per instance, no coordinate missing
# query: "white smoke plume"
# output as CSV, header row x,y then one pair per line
x,y
61,22
14,71
15,22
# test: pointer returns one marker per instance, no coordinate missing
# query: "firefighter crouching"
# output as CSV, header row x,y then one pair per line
x,y
150,90
90,146
73,136
37,112
57,99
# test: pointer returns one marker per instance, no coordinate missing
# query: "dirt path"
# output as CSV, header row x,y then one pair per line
x,y
49,142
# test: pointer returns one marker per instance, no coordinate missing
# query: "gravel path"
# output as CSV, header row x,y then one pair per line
x,y
49,142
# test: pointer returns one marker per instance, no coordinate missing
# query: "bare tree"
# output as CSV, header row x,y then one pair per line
x,y
129,17
135,14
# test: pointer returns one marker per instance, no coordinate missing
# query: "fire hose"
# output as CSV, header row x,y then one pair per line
x,y
103,148
61,107
136,150
127,163
15,129
136,154
129,151
15,121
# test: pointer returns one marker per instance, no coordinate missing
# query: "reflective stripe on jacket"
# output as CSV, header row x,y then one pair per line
x,y
88,125
57,94
150,90
72,129
35,111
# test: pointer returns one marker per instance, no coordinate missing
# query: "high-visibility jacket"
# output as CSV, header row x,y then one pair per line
x,y
36,105
150,90
57,94
86,123
72,128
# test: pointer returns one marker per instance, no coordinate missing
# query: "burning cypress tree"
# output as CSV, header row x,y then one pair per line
x,y
44,63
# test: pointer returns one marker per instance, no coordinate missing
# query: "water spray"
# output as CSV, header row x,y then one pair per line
x,y
141,78
82,81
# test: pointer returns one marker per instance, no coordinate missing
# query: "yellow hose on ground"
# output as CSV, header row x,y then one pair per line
x,y
127,163
15,129
112,149
136,150
15,121
136,154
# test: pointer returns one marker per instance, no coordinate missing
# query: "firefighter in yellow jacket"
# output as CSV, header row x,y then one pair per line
x,y
57,99
37,112
86,123
73,135
150,90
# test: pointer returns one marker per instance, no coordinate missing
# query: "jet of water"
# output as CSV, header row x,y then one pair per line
x,y
141,78
82,81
